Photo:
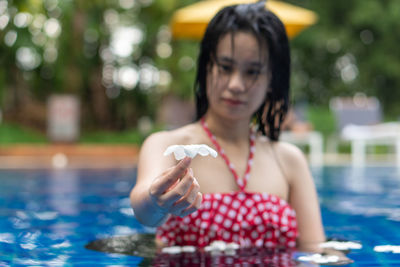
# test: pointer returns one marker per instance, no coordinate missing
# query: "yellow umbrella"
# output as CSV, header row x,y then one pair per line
x,y
190,22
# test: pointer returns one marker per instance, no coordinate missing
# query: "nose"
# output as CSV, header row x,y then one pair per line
x,y
236,83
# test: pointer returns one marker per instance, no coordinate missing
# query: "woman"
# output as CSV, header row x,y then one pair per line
x,y
258,191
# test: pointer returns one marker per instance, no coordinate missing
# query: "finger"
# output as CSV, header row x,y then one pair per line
x,y
187,200
195,205
169,179
175,174
191,193
181,189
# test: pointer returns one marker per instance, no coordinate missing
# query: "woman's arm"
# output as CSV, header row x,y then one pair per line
x,y
163,186
303,198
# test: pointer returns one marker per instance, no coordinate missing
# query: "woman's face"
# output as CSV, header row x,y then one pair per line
x,y
238,80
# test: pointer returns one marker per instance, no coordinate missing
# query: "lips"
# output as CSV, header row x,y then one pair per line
x,y
234,102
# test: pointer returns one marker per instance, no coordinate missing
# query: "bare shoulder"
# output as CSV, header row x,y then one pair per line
x,y
183,135
157,142
288,152
290,157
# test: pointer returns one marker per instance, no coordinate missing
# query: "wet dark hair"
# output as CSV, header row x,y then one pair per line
x,y
268,29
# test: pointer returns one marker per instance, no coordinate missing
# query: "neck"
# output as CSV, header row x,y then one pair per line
x,y
228,130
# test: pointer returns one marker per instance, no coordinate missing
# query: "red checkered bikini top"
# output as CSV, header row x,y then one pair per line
x,y
245,218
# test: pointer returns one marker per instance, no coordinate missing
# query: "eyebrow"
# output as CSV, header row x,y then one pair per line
x,y
232,61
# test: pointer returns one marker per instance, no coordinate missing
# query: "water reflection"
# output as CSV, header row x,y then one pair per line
x,y
358,182
367,191
143,245
63,191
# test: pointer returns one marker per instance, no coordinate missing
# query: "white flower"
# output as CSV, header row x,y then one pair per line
x,y
182,151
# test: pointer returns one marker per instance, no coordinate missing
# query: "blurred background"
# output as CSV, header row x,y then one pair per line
x,y
112,72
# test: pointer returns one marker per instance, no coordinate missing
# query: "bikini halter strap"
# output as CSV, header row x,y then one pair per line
x,y
241,182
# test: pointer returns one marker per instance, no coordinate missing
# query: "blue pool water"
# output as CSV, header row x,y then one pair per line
x,y
48,216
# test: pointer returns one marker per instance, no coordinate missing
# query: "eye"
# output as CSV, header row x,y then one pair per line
x,y
226,68
253,72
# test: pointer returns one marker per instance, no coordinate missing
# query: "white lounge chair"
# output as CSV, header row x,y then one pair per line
x,y
359,122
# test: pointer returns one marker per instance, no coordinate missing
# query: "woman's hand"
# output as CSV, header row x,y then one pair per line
x,y
176,191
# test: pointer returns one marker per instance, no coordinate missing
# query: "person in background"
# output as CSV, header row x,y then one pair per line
x,y
258,191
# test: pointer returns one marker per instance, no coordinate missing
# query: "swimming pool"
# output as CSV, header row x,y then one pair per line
x,y
48,216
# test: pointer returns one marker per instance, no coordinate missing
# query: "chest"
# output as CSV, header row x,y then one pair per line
x,y
214,175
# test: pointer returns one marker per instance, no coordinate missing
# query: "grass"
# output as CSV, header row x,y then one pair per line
x,y
131,136
11,133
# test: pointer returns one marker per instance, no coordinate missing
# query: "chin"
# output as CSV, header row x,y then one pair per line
x,y
235,115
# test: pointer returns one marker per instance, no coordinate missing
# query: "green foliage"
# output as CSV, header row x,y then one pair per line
x,y
357,35
322,119
82,58
352,48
